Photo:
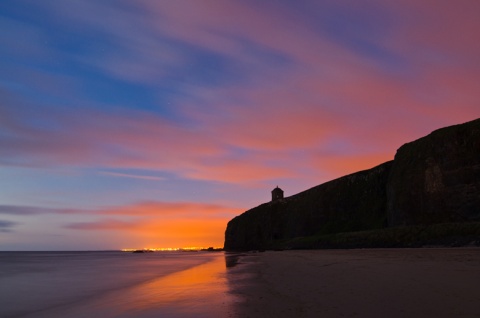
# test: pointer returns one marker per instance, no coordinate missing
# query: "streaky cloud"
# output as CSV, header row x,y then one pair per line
x,y
7,226
108,224
131,176
195,210
23,210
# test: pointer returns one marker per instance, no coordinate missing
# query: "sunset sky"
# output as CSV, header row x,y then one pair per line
x,y
152,123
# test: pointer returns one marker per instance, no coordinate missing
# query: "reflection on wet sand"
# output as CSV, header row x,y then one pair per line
x,y
241,275
200,291
231,260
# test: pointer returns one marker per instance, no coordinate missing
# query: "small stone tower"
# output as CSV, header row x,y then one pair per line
x,y
277,194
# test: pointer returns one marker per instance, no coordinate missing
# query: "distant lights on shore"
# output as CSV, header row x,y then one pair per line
x,y
170,249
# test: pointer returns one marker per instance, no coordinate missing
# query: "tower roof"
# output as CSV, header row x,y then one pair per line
x,y
277,189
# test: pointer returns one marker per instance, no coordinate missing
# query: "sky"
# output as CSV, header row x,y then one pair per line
x,y
131,124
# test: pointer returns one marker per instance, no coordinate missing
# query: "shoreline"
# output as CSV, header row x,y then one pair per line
x,y
400,282
115,285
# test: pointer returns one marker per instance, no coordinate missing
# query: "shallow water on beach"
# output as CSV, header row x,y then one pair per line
x,y
115,284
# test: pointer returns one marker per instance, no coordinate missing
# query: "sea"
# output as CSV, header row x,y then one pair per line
x,y
118,284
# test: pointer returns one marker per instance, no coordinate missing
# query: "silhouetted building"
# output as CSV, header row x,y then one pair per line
x,y
277,194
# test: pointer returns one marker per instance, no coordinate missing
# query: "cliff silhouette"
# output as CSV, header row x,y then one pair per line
x,y
429,194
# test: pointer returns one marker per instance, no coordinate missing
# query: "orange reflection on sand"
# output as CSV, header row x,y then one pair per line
x,y
201,289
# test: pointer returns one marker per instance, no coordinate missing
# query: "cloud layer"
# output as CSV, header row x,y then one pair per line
x,y
276,85
6,226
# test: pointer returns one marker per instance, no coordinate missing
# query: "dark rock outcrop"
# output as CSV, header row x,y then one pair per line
x,y
435,179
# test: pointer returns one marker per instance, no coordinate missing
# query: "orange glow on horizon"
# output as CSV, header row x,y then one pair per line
x,y
171,249
162,225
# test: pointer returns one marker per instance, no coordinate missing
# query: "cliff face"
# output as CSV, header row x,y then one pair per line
x,y
436,179
432,180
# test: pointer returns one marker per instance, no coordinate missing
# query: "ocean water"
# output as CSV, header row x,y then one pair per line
x,y
116,284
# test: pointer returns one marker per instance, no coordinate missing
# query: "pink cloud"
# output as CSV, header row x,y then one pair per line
x,y
238,171
448,28
326,92
133,141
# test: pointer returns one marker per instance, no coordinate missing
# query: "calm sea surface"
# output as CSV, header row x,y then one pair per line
x,y
115,284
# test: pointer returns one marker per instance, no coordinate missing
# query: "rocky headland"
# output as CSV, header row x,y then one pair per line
x,y
428,195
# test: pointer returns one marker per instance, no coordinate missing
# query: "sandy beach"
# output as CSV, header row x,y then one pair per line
x,y
426,282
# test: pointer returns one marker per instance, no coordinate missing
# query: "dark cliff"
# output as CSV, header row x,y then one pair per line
x,y
435,179
351,203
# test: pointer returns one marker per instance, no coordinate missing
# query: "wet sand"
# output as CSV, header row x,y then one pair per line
x,y
426,282
117,284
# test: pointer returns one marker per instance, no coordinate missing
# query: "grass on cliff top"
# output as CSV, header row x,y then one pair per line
x,y
445,234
